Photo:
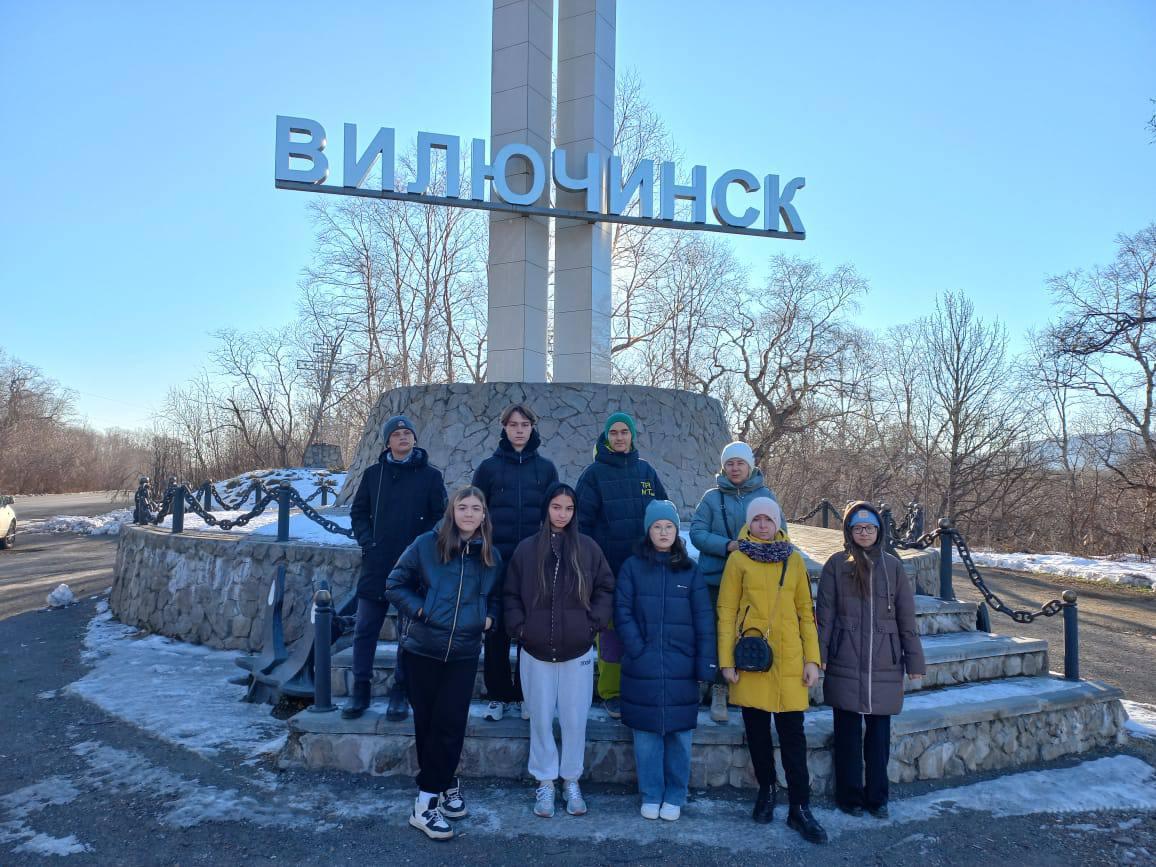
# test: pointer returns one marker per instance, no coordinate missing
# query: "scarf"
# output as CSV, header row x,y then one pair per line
x,y
766,552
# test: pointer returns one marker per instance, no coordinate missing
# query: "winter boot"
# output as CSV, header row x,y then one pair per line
x,y
801,820
398,708
358,700
764,812
718,703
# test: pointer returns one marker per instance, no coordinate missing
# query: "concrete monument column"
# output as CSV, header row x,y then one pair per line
x,y
520,83
585,124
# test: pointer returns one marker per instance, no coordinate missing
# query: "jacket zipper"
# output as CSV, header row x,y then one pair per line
x,y
458,606
519,484
870,632
661,642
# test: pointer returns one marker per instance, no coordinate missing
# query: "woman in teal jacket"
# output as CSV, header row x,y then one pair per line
x,y
714,530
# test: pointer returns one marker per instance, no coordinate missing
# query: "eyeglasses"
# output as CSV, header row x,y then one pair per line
x,y
864,529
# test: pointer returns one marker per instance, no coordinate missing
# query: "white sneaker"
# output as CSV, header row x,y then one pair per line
x,y
428,819
451,803
525,710
495,710
650,811
572,793
544,800
669,812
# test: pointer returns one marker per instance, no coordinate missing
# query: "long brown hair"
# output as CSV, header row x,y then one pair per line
x,y
450,540
860,557
567,551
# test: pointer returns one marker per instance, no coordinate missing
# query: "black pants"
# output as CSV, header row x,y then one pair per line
x,y
501,684
370,618
440,694
851,748
792,750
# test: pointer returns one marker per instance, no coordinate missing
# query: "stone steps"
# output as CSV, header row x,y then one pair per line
x,y
940,733
952,658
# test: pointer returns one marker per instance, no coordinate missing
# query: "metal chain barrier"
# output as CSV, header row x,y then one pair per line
x,y
317,517
802,518
229,523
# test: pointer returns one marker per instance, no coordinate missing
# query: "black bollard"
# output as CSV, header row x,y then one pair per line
x,y
207,496
946,591
826,512
179,509
1071,636
283,513
324,495
322,635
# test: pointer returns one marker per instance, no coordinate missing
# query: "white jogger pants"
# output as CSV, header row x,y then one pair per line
x,y
565,689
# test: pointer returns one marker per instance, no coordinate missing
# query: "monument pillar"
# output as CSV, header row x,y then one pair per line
x,y
585,124
517,264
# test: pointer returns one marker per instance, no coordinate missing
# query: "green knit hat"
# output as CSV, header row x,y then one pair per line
x,y
627,420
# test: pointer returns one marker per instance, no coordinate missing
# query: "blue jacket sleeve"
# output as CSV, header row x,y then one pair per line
x,y
701,534
625,623
705,634
403,586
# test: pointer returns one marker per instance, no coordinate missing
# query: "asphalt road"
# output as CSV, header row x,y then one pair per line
x,y
152,802
31,508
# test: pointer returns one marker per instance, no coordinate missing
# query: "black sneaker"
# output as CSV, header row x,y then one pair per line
x,y
451,803
880,812
801,820
764,812
358,700
850,809
398,708
428,819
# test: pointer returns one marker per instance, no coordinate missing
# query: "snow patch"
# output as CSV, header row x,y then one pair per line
x,y
61,597
1124,569
108,524
175,691
1141,722
16,807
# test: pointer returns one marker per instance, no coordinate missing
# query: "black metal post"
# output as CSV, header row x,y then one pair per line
x,y
322,636
826,520
946,543
207,498
179,509
324,495
283,513
983,618
1071,636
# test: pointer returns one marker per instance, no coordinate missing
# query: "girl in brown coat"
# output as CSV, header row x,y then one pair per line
x,y
867,634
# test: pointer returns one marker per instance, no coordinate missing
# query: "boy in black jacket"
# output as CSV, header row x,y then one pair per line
x,y
400,497
515,480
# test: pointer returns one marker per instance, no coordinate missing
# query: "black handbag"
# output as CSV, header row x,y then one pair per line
x,y
753,652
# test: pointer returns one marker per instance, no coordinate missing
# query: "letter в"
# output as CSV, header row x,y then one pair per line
x,y
718,198
694,192
775,203
620,192
311,150
427,143
357,169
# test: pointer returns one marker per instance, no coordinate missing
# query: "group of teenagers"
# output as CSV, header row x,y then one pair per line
x,y
596,575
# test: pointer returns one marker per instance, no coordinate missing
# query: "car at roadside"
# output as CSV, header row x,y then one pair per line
x,y
7,523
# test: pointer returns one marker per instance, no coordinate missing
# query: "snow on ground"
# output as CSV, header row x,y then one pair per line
x,y
1125,569
178,693
1141,720
108,524
175,691
305,480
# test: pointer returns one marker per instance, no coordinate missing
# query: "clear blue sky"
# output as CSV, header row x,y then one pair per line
x,y
978,146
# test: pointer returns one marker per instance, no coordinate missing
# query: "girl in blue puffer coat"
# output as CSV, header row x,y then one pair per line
x,y
667,624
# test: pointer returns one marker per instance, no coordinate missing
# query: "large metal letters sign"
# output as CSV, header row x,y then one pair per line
x,y
608,194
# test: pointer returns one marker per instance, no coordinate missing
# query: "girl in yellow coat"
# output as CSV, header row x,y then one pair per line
x,y
765,587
